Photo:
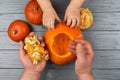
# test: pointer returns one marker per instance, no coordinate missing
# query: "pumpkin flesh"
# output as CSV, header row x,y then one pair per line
x,y
60,44
58,40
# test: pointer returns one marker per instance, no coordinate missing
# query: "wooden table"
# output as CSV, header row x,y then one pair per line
x,y
104,36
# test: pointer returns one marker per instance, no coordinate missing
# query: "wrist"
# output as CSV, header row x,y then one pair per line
x,y
86,76
32,73
45,4
49,9
76,3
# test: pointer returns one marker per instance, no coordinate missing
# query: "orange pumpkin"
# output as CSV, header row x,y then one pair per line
x,y
18,30
58,40
33,12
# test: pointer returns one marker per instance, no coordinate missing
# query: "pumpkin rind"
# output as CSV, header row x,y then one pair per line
x,y
33,12
18,30
61,28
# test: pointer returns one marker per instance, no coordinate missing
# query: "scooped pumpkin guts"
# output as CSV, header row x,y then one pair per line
x,y
35,50
86,18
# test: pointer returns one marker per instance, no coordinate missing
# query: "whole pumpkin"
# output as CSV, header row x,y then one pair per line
x,y
33,12
58,40
18,30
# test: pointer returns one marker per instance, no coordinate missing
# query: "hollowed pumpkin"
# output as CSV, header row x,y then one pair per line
x,y
58,40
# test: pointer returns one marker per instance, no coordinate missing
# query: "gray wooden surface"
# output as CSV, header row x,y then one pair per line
x,y
104,35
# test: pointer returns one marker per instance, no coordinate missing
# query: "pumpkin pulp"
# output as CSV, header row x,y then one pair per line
x,y
60,44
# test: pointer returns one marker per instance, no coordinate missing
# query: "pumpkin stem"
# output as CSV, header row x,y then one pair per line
x,y
14,31
36,8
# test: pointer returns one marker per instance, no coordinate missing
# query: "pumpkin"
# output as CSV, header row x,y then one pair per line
x,y
58,40
33,12
86,18
18,30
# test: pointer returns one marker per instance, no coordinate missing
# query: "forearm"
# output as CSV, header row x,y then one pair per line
x,y
76,3
45,4
30,75
86,77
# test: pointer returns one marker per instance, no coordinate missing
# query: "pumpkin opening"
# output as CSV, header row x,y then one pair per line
x,y
59,39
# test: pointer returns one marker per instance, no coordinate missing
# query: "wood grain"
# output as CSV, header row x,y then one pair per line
x,y
17,6
102,21
52,74
106,59
104,36
98,39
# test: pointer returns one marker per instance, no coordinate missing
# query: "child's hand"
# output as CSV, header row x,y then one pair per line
x,y
85,56
26,61
49,17
49,14
72,16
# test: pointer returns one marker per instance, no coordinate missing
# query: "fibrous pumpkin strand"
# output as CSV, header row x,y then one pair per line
x,y
35,50
86,18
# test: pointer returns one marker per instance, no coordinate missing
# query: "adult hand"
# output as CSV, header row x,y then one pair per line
x,y
84,61
26,61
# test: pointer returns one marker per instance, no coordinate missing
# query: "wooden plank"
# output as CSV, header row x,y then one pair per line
x,y
17,6
99,39
106,59
14,6
70,74
103,5
102,21
60,74
9,18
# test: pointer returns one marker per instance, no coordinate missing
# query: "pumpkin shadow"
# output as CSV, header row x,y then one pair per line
x,y
30,26
44,74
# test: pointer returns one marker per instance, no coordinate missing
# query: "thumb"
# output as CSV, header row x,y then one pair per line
x,y
80,51
21,49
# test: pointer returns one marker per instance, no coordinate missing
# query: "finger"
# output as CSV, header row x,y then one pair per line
x,y
40,38
21,49
73,23
89,48
52,22
47,23
80,51
44,21
32,34
80,41
42,44
68,21
46,52
78,22
72,42
58,19
72,46
72,51
42,64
